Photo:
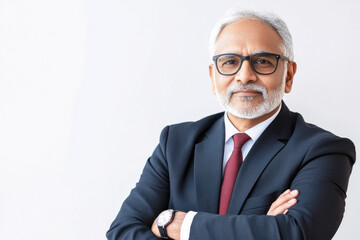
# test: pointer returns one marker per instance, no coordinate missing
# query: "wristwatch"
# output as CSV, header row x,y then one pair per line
x,y
164,219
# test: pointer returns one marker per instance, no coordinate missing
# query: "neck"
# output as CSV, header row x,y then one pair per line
x,y
243,124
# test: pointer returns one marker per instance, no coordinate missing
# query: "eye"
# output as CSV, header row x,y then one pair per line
x,y
230,62
262,61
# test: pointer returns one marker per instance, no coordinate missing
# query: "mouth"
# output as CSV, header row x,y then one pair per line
x,y
247,93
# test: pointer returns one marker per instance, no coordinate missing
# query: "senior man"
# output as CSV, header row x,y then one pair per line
x,y
229,175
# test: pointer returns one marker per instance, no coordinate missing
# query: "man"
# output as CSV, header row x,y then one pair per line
x,y
228,176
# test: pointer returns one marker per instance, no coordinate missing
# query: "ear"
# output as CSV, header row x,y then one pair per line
x,y
291,70
211,74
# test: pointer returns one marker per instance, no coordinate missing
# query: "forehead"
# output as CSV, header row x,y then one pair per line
x,y
247,36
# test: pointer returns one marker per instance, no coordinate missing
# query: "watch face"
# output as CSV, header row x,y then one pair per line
x,y
164,217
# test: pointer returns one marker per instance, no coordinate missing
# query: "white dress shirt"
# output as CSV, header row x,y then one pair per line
x,y
230,130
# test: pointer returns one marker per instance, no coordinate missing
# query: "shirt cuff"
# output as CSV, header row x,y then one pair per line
x,y
186,225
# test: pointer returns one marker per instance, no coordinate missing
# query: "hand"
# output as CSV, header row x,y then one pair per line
x,y
286,200
173,229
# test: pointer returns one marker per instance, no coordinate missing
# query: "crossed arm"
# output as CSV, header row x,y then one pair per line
x,y
316,213
280,206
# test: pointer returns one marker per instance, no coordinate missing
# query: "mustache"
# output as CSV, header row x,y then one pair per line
x,y
230,91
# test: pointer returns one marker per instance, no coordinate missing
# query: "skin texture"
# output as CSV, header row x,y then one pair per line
x,y
245,37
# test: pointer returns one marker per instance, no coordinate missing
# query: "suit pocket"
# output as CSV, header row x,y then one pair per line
x,y
260,204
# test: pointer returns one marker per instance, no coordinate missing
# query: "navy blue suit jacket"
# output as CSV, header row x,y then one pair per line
x,y
185,173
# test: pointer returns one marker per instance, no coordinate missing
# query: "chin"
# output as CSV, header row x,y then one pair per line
x,y
249,110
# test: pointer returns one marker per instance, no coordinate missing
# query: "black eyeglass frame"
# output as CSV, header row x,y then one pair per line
x,y
243,58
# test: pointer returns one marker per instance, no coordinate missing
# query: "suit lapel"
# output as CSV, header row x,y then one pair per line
x,y
271,141
208,158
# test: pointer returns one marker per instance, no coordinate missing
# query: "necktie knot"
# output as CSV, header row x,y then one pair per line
x,y
240,139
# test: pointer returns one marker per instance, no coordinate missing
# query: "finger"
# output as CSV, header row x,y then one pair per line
x,y
283,202
280,199
285,197
285,207
285,192
282,209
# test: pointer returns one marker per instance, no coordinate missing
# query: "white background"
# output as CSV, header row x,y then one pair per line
x,y
87,86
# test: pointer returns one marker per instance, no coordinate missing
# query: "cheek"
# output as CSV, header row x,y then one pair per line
x,y
272,83
221,87
221,83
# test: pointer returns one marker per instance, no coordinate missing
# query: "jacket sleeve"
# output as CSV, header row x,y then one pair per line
x,y
146,200
322,182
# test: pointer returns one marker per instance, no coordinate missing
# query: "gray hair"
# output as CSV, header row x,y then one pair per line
x,y
272,20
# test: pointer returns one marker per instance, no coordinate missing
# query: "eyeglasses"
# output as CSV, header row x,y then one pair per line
x,y
263,63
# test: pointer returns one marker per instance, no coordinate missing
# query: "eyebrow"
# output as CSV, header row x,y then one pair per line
x,y
229,55
259,51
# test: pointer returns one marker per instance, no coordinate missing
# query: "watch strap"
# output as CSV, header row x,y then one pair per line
x,y
163,232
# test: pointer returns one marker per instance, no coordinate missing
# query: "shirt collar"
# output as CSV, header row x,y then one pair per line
x,y
254,132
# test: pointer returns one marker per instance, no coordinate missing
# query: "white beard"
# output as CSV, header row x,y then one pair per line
x,y
247,109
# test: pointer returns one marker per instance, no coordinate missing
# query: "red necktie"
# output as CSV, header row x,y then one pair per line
x,y
231,170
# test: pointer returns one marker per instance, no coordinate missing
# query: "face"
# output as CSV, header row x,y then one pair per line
x,y
248,94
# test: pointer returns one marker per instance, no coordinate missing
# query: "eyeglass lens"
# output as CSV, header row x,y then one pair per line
x,y
262,63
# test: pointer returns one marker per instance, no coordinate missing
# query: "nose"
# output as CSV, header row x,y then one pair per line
x,y
246,74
